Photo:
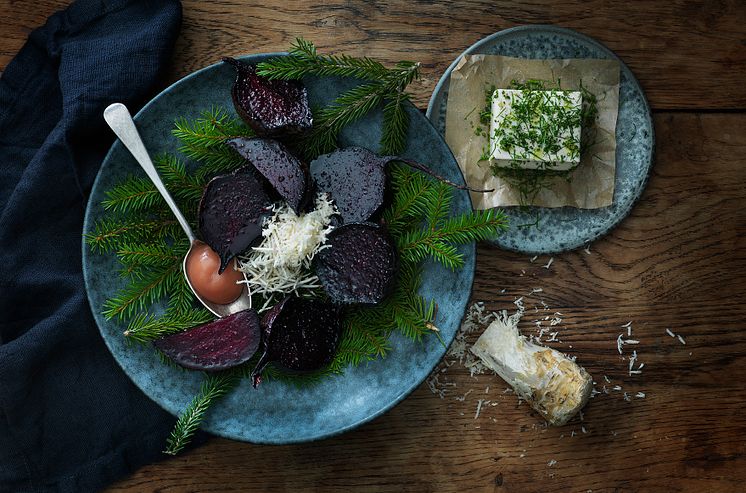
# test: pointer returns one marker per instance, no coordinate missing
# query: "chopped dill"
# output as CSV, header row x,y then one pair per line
x,y
543,140
469,113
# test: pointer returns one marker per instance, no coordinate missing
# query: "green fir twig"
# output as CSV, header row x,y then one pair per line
x,y
213,388
382,86
395,124
305,61
203,139
145,327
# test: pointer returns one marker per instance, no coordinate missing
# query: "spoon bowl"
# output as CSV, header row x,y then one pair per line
x,y
243,301
118,117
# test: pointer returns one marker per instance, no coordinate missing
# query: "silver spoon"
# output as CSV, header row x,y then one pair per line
x,y
119,119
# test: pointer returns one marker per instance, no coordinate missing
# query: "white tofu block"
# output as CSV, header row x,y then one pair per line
x,y
558,106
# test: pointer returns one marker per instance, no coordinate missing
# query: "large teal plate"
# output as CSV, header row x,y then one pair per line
x,y
567,228
276,412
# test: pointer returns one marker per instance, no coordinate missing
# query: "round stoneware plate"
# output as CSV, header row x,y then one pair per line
x,y
277,412
567,228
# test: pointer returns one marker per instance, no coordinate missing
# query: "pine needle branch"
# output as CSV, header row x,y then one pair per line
x,y
157,255
347,108
203,139
395,125
440,243
145,327
304,61
111,233
182,298
213,388
473,226
135,194
409,197
142,292
382,85
182,185
366,336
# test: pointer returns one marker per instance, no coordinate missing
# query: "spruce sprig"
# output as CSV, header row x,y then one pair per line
x,y
111,233
395,124
133,195
143,291
305,61
440,242
203,139
145,327
137,194
213,388
347,108
154,255
382,86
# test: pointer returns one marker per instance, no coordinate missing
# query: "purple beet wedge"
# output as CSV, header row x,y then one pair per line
x,y
285,172
270,107
217,345
356,180
231,212
359,264
299,335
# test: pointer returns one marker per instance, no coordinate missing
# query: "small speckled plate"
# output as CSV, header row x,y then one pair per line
x,y
276,412
567,228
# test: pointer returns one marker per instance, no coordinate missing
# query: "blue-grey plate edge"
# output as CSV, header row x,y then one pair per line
x,y
469,252
435,103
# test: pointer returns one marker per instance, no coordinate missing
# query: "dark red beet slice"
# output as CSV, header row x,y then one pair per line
x,y
356,180
359,265
231,213
270,107
217,345
285,172
299,335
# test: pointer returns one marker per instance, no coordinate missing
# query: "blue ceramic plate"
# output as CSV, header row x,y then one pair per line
x,y
567,228
276,412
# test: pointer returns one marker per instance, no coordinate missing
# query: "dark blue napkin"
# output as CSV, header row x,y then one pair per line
x,y
70,419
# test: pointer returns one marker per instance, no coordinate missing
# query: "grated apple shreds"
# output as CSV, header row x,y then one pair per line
x,y
281,264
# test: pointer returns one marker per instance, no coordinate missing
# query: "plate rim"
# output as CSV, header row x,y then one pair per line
x,y
542,28
469,266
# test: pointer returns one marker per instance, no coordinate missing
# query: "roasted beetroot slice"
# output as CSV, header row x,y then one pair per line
x,y
356,180
231,213
270,107
285,172
299,335
217,345
359,265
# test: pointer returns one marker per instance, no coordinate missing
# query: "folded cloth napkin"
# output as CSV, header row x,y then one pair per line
x,y
70,419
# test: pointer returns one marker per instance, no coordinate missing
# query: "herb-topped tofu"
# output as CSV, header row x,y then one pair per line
x,y
535,129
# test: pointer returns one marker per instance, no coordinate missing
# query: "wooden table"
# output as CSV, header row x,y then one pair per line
x,y
678,262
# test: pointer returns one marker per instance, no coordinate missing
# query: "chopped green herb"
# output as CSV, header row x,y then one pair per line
x,y
531,135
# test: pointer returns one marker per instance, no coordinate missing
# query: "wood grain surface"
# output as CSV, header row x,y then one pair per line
x,y
677,262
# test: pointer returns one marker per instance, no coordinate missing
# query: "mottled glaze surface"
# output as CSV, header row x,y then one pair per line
x,y
276,412
567,228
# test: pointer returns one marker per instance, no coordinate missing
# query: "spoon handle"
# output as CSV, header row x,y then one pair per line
x,y
119,119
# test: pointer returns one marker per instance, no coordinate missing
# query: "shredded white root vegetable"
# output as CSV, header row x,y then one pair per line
x,y
281,264
553,384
